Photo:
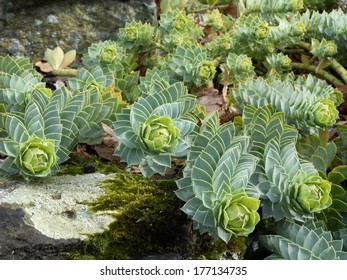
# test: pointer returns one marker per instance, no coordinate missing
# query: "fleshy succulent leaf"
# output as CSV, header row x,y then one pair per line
x,y
308,241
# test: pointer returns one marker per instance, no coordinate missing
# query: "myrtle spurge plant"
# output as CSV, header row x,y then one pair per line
x,y
308,241
191,64
156,128
177,29
18,81
278,62
219,197
239,68
275,153
32,143
108,55
136,35
308,104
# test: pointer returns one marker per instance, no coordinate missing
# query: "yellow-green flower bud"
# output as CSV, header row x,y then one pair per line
x,y
36,157
238,214
215,20
246,65
325,113
330,48
207,71
314,194
336,96
131,34
263,31
180,22
324,48
286,61
299,29
159,134
225,42
108,55
297,4
271,48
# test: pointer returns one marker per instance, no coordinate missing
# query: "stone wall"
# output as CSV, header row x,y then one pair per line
x,y
28,27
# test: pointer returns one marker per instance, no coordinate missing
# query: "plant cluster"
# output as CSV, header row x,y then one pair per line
x,y
277,65
40,127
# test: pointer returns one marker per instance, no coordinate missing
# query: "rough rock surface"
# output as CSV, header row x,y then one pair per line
x,y
45,219
28,27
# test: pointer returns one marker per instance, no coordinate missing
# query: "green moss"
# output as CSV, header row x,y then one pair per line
x,y
147,215
76,165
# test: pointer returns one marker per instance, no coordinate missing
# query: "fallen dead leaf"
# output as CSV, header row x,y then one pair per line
x,y
44,66
105,152
213,100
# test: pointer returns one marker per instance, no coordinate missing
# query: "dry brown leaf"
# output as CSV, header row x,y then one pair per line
x,y
43,66
105,152
211,99
108,130
214,101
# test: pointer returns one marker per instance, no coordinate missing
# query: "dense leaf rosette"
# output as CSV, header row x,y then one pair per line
x,y
238,214
42,137
108,55
325,113
239,67
36,157
291,187
308,241
313,195
156,128
190,64
219,196
136,34
159,134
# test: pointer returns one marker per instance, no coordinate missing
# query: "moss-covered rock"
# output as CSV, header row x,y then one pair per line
x,y
147,216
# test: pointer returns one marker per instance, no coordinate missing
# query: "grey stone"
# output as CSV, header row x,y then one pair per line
x,y
48,217
38,25
19,241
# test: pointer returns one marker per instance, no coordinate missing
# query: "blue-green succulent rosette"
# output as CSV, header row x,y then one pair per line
x,y
156,128
35,157
220,199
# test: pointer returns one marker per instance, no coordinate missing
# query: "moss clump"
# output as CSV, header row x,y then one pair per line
x,y
147,215
76,165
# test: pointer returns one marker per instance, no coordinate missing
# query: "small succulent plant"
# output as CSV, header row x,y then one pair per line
x,y
216,188
58,60
191,65
156,128
308,104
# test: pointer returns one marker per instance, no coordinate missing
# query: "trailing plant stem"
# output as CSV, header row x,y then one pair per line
x,y
160,46
65,72
335,65
322,73
339,69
